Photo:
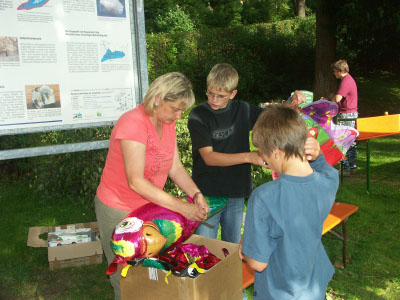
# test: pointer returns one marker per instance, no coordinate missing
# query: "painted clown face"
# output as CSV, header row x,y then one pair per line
x,y
135,238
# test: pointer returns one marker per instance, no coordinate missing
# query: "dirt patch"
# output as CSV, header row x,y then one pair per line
x,y
6,295
376,180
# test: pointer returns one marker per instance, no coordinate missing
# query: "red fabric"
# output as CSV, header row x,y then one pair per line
x,y
203,258
332,153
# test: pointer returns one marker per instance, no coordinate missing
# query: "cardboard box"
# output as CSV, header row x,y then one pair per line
x,y
68,255
221,282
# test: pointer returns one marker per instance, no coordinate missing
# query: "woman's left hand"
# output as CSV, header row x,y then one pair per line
x,y
200,201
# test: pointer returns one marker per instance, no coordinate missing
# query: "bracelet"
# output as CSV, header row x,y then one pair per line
x,y
195,195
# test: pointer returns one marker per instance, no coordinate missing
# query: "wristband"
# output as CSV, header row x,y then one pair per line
x,y
195,195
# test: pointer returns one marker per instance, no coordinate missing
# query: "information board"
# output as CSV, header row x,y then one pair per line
x,y
69,63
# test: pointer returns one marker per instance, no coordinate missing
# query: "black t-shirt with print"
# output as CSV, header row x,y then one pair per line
x,y
227,131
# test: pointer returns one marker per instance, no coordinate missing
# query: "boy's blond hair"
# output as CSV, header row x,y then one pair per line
x,y
173,86
280,126
340,65
223,77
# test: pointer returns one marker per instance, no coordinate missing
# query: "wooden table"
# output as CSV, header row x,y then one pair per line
x,y
375,127
339,214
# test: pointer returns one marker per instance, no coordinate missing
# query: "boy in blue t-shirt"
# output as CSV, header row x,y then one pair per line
x,y
284,220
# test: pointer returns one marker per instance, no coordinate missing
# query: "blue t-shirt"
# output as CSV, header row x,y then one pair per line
x,y
283,228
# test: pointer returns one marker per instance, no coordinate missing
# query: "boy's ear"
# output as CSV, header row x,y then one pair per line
x,y
233,94
278,153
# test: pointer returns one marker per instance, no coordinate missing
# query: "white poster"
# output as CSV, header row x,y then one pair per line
x,y
64,62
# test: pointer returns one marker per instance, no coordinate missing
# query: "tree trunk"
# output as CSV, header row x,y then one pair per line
x,y
300,7
325,50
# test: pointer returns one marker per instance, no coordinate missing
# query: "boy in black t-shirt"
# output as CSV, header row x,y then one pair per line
x,y
219,129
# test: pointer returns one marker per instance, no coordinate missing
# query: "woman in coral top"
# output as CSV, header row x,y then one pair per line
x,y
143,152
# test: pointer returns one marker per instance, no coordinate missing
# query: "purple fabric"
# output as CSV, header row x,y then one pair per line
x,y
322,112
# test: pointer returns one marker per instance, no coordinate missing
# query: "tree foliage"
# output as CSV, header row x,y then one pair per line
x,y
175,20
224,13
154,9
365,32
256,11
215,14
368,32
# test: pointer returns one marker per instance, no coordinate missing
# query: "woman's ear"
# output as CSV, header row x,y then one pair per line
x,y
157,100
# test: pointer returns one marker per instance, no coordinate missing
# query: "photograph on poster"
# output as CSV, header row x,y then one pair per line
x,y
42,96
31,4
9,49
111,8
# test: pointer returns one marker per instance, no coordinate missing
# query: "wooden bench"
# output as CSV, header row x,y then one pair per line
x,y
339,214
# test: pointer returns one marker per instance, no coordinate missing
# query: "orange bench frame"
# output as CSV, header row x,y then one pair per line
x,y
339,214
376,127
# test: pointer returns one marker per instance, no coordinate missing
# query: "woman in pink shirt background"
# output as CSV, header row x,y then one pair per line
x,y
143,152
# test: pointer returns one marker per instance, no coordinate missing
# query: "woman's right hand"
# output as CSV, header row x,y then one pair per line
x,y
193,212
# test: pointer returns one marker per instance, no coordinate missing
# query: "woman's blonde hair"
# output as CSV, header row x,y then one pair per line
x,y
223,77
280,126
173,86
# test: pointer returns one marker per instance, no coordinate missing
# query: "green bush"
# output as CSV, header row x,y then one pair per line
x,y
272,59
72,176
176,20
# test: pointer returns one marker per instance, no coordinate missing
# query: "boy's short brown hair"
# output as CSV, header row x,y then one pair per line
x,y
223,77
340,65
280,126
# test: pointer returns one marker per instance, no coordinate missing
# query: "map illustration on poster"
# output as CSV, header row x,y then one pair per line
x,y
66,62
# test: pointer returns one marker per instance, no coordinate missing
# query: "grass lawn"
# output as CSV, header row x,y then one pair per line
x,y
373,270
25,271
